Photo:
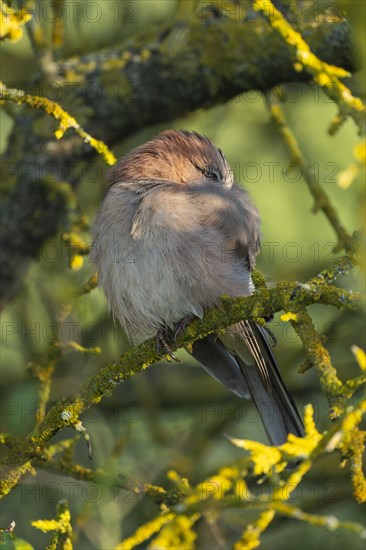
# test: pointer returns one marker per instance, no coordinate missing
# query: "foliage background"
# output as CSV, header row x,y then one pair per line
x,y
175,416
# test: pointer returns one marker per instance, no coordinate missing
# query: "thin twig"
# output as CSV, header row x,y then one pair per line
x,y
321,199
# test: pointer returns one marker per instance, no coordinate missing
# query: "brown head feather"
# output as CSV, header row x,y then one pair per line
x,y
179,156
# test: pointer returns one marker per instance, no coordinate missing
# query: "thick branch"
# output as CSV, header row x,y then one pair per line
x,y
159,76
264,302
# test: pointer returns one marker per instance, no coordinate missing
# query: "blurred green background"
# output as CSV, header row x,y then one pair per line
x,y
175,416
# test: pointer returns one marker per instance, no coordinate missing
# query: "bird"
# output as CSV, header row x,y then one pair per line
x,y
173,234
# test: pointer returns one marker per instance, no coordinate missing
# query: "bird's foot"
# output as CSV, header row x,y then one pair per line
x,y
164,342
181,326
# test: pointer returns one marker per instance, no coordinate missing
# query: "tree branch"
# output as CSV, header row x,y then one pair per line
x,y
321,199
158,76
287,296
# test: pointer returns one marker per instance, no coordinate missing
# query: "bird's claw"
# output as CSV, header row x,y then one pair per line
x,y
181,326
296,291
163,343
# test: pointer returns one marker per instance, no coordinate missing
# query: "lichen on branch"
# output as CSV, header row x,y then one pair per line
x,y
287,296
325,75
65,120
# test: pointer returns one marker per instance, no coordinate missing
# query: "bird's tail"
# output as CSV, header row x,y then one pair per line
x,y
242,359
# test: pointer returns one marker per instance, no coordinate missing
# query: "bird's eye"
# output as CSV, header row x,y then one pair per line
x,y
213,173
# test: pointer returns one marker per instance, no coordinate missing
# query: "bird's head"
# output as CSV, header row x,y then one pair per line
x,y
182,157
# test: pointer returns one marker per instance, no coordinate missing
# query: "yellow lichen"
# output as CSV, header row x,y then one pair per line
x,y
263,456
324,74
360,356
11,22
77,262
46,525
250,537
145,532
61,526
65,120
360,152
288,316
181,482
178,534
347,176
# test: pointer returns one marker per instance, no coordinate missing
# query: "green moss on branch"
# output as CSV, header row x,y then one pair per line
x,y
287,296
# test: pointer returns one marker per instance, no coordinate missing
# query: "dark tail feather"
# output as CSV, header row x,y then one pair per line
x,y
220,364
250,368
275,404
